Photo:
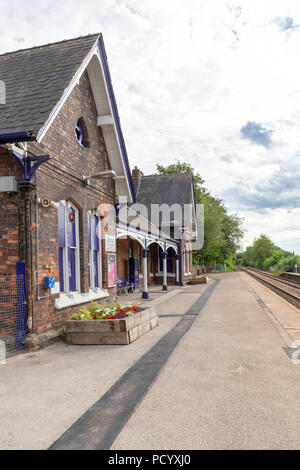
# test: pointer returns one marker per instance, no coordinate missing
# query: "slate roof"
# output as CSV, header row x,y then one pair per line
x,y
165,189
35,80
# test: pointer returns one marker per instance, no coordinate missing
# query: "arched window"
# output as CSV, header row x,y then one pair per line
x,y
68,241
81,133
94,247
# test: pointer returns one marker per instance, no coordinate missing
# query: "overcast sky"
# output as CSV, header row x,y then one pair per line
x,y
214,83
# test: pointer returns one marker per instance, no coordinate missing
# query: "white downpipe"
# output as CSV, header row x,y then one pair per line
x,y
177,269
145,272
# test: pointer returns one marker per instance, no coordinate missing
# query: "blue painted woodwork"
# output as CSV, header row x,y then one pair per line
x,y
61,269
80,134
134,271
169,257
21,306
29,165
94,245
13,137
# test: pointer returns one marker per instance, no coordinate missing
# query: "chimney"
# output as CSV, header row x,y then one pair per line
x,y
136,178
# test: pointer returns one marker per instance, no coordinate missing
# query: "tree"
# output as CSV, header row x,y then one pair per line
x,y
263,249
263,254
222,231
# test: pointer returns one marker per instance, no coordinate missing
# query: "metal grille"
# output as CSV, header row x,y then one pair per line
x,y
12,314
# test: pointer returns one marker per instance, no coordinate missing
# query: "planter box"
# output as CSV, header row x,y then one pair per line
x,y
197,281
123,331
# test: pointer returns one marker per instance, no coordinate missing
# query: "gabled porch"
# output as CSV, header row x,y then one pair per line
x,y
143,260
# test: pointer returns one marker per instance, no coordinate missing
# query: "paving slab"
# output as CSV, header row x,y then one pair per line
x,y
229,385
42,394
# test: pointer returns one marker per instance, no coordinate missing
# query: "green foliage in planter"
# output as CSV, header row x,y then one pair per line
x,y
83,314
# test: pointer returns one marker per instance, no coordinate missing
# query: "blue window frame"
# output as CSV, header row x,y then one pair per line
x,y
68,242
94,247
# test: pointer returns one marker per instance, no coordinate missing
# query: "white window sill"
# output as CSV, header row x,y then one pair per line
x,y
77,298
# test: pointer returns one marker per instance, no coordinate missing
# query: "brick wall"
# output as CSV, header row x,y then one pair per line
x,y
59,179
62,179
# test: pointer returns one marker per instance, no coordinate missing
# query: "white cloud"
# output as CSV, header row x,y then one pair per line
x,y
188,76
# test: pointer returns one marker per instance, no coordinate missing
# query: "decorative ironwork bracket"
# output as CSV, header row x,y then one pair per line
x,y
30,164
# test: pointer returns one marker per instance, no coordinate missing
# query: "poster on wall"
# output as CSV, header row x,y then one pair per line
x,y
110,243
111,270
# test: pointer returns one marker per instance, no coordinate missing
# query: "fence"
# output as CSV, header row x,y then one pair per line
x,y
218,267
12,313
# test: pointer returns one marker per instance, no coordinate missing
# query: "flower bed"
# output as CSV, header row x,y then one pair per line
x,y
105,312
110,324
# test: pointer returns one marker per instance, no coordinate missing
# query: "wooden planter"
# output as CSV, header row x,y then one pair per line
x,y
195,281
123,331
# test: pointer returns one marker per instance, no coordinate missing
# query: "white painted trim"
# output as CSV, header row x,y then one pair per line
x,y
127,233
76,298
114,124
105,120
68,204
74,81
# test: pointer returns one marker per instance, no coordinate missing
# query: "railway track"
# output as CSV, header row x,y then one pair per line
x,y
289,290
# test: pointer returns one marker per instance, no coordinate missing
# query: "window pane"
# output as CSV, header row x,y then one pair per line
x,y
89,232
71,227
72,269
96,268
61,269
95,234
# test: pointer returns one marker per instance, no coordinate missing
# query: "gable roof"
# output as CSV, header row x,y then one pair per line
x,y
35,80
40,79
165,189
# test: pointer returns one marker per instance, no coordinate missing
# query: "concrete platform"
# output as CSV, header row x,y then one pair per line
x,y
229,385
284,316
42,394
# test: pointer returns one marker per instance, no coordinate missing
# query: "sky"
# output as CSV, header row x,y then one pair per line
x,y
214,83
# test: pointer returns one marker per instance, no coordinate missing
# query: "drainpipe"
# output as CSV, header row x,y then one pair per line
x,y
180,264
27,194
37,251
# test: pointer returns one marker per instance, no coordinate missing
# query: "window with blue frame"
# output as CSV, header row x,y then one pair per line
x,y
94,247
68,241
169,260
81,133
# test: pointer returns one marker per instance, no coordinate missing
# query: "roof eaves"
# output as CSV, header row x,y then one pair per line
x,y
116,115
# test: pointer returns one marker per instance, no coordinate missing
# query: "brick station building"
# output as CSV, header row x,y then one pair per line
x,y
64,172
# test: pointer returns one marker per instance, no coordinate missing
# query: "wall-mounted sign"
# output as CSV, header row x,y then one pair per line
x,y
110,243
55,289
111,270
